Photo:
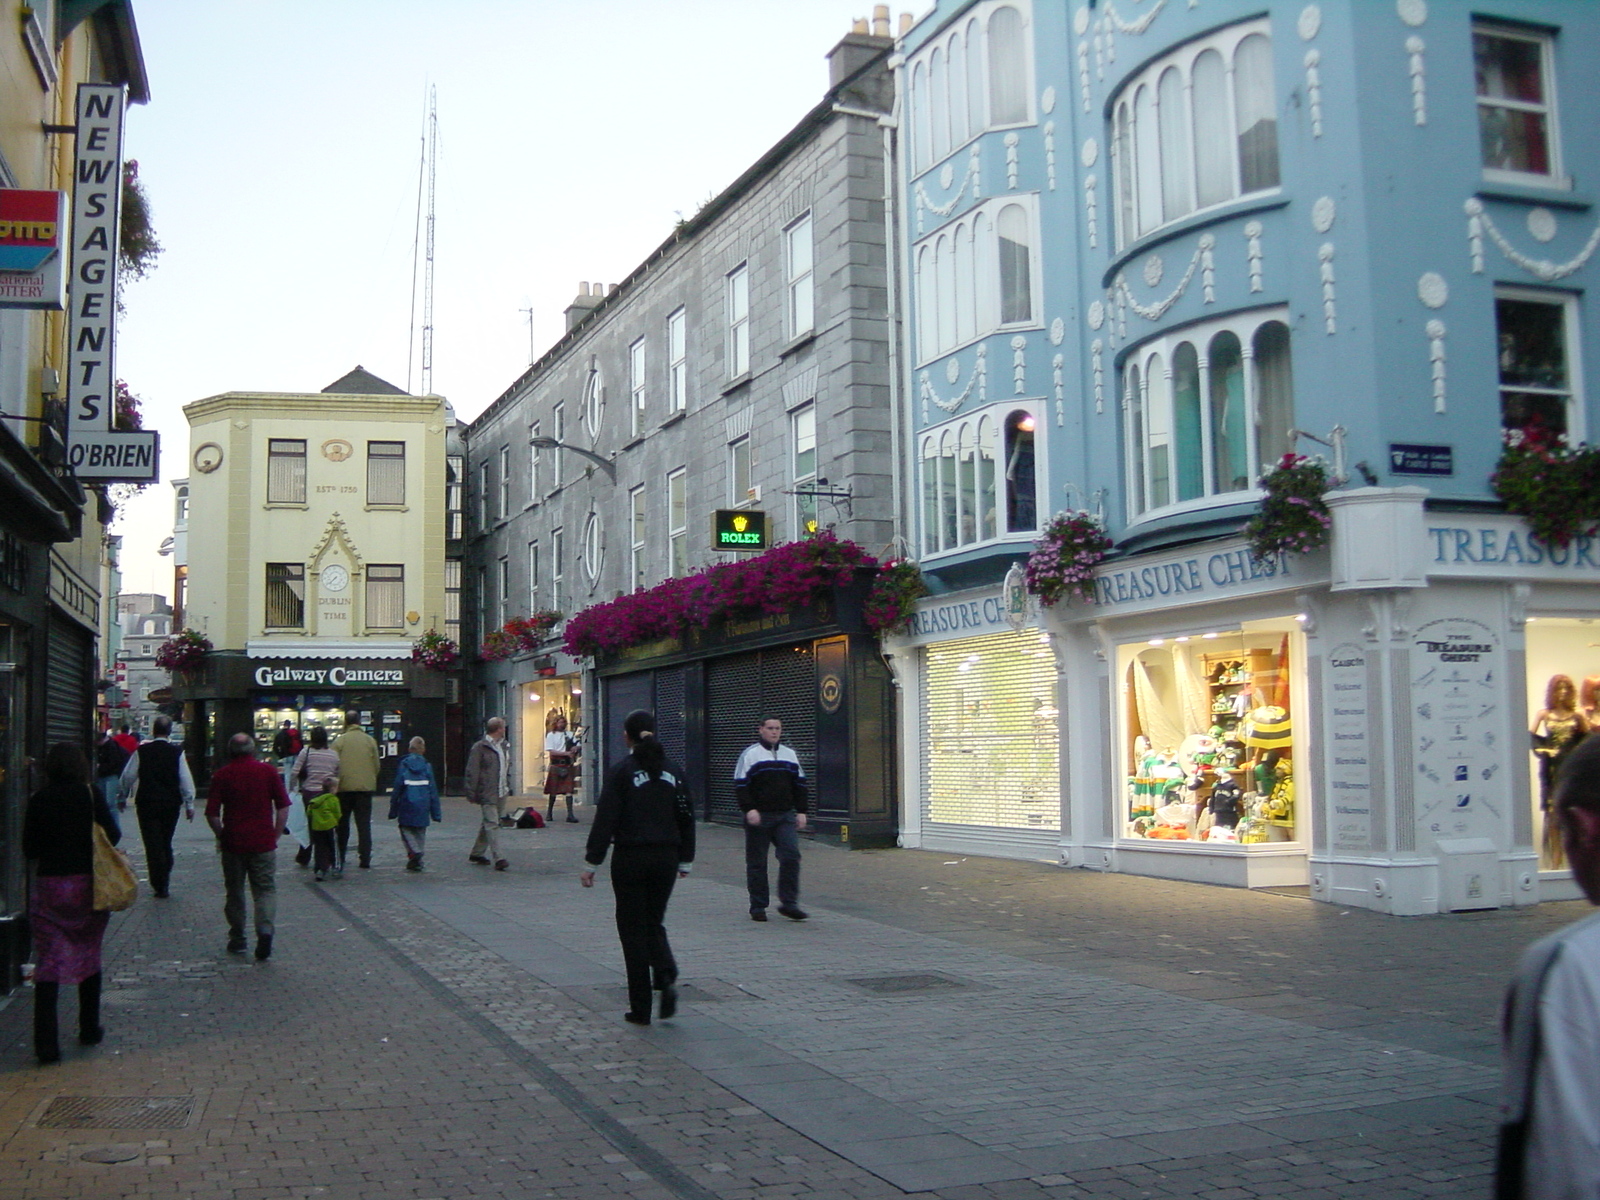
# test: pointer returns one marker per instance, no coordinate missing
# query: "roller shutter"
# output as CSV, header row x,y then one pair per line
x,y
69,683
740,690
991,735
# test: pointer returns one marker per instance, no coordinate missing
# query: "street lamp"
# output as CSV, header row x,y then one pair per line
x,y
550,443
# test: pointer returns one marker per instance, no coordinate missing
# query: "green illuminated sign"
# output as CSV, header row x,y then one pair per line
x,y
739,529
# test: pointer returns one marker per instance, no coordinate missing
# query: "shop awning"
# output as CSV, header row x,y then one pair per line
x,y
328,648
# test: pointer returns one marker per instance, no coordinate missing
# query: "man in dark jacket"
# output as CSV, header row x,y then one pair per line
x,y
157,780
646,813
486,783
771,790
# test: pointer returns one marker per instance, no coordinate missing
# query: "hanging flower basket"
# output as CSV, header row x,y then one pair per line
x,y
435,651
518,635
1062,564
896,589
1293,518
183,651
783,578
1548,483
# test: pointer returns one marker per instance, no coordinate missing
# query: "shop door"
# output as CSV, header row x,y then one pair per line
x,y
68,702
741,690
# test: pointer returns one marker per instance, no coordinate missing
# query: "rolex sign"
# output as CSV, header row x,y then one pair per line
x,y
739,529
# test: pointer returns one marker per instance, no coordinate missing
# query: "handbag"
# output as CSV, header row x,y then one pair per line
x,y
115,887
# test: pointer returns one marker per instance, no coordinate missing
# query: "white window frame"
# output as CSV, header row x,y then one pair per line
x,y
383,492
741,462
636,387
558,549
1556,176
970,435
594,548
799,278
558,457
534,455
503,507
503,588
736,305
286,484
637,519
1156,412
1572,332
452,599
958,93
956,279
1134,156
392,588
483,495
677,522
533,576
594,399
678,361
803,428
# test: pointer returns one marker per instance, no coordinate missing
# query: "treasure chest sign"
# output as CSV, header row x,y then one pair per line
x,y
32,266
1458,724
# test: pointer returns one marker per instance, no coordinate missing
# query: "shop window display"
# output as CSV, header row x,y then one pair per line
x,y
1210,740
1563,698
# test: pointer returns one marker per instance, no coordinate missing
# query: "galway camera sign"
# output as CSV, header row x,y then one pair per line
x,y
739,529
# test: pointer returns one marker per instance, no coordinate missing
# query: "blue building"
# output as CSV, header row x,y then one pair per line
x,y
1150,247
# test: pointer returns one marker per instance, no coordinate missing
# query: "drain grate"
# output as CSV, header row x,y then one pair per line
x,y
117,1112
902,985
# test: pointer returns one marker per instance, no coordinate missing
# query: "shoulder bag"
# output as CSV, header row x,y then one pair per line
x,y
115,887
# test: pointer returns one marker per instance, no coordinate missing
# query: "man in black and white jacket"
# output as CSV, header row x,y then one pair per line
x,y
771,790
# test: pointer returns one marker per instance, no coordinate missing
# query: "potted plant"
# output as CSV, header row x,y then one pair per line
x,y
1062,563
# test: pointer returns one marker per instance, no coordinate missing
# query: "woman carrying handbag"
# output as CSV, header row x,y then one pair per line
x,y
58,836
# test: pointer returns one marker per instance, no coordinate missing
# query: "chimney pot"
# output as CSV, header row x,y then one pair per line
x,y
906,21
880,20
859,25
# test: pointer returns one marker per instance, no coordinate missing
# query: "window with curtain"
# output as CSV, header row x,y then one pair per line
x,y
286,596
1195,128
286,471
965,479
975,275
386,472
977,75
1533,330
386,596
1008,67
1516,108
1205,408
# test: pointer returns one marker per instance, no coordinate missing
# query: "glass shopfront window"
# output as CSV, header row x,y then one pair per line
x,y
1207,748
991,733
1563,690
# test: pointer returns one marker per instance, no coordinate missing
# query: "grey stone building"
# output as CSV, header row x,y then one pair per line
x,y
746,364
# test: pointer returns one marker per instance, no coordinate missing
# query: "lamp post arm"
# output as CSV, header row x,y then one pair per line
x,y
610,468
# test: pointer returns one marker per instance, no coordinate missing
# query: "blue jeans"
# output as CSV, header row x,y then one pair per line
x,y
780,832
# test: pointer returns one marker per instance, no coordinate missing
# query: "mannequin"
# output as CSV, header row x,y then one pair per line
x,y
1564,726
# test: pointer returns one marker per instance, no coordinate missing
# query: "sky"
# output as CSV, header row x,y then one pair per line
x,y
281,149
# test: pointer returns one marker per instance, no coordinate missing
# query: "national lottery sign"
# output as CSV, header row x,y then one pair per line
x,y
32,231
96,452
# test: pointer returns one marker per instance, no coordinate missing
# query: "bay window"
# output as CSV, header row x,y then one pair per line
x,y
975,76
978,480
976,275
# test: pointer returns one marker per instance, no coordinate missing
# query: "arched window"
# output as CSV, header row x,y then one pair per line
x,y
1195,128
1230,450
927,323
1274,392
944,261
966,297
975,121
594,549
921,149
987,519
948,525
960,130
1187,434
594,399
939,106
1021,498
1206,428
1008,68
930,497
1016,280
967,483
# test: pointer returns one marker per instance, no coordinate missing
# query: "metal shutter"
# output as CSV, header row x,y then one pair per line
x,y
991,734
740,690
68,702
670,725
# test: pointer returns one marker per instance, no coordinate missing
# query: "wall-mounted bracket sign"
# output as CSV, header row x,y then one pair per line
x,y
97,451
740,529
1407,459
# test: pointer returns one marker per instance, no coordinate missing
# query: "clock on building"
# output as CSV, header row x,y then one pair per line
x,y
335,578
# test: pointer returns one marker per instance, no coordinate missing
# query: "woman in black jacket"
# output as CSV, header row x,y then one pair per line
x,y
58,835
646,813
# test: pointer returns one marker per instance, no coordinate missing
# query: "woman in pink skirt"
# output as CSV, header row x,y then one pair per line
x,y
58,837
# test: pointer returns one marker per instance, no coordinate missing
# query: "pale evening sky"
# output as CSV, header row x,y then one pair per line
x,y
280,152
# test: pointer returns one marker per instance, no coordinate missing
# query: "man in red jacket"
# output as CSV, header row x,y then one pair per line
x,y
248,808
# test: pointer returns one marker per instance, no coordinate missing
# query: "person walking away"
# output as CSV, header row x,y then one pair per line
x,y
286,744
316,763
414,802
1550,1135
645,815
109,759
246,808
561,764
158,781
67,931
487,784
322,818
771,790
358,779
127,739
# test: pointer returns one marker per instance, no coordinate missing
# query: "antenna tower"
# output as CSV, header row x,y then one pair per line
x,y
427,269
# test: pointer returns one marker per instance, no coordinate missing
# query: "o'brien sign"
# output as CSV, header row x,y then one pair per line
x,y
95,451
336,676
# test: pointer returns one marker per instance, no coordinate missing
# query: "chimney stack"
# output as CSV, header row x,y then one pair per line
x,y
584,304
880,20
857,48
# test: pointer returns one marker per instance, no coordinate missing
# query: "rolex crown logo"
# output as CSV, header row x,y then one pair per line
x,y
741,523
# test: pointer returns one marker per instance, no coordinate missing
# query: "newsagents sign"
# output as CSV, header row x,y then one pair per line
x,y
96,451
339,675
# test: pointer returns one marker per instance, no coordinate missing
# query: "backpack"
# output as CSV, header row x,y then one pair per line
x,y
323,811
110,758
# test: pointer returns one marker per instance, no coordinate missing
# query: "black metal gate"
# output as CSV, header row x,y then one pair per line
x,y
741,690
69,683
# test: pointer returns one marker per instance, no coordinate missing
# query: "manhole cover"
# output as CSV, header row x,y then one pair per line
x,y
900,985
111,1154
117,1112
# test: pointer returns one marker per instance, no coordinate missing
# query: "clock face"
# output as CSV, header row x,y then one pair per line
x,y
207,458
334,578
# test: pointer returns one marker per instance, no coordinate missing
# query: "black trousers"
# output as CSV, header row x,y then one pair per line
x,y
642,878
46,1039
158,820
359,804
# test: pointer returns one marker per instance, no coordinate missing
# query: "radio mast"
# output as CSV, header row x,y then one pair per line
x,y
424,246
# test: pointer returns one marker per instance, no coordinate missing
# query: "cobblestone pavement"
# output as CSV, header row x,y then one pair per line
x,y
943,1025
